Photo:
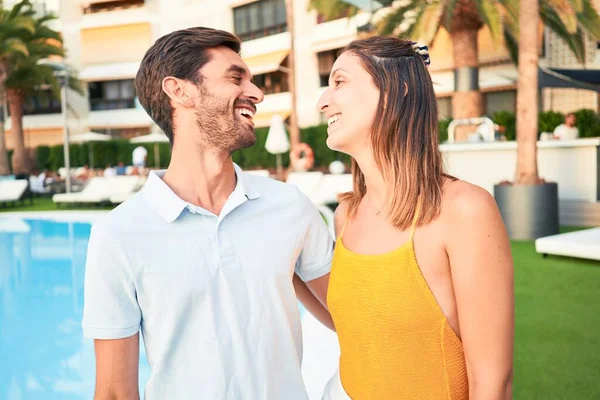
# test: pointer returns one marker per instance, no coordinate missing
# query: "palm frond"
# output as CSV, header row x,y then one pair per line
x,y
566,13
15,46
589,19
24,7
396,17
512,45
333,8
427,23
490,12
44,32
575,41
449,7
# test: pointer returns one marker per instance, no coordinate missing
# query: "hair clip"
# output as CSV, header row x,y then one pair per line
x,y
423,51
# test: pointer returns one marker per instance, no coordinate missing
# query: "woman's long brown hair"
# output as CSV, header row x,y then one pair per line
x,y
404,135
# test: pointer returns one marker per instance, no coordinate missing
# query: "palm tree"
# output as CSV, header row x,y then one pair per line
x,y
26,77
527,94
14,23
291,74
463,19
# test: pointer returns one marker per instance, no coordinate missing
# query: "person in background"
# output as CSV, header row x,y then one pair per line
x,y
121,170
568,130
110,171
139,156
82,173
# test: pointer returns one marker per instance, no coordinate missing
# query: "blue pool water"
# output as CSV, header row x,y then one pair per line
x,y
43,354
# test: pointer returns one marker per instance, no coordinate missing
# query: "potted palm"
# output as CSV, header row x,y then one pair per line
x,y
529,205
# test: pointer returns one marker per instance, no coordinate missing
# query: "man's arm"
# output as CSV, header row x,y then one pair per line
x,y
111,315
117,364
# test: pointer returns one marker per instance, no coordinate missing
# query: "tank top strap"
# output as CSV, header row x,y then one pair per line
x,y
343,227
414,223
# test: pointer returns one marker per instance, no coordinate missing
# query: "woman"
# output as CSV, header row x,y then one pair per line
x,y
421,286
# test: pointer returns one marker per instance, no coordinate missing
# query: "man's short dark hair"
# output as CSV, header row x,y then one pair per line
x,y
180,54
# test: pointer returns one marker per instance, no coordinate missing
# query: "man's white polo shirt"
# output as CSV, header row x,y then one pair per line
x,y
213,295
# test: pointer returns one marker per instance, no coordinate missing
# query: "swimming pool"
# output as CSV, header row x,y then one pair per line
x,y
43,354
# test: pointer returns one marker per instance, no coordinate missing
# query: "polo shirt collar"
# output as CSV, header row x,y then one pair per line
x,y
169,206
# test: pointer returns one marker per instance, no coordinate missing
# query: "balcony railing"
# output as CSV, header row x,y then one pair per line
x,y
259,33
111,104
93,7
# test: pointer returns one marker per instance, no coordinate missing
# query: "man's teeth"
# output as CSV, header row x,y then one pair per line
x,y
333,119
245,112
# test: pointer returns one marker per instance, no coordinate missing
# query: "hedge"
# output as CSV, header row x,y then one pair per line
x,y
112,152
588,123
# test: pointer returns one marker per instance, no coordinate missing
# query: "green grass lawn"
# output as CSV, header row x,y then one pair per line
x,y
557,334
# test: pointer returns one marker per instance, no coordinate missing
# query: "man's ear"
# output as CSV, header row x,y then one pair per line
x,y
175,89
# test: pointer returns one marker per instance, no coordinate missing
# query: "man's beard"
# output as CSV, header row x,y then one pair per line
x,y
220,125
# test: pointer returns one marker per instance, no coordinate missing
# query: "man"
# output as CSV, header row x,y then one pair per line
x,y
568,130
202,259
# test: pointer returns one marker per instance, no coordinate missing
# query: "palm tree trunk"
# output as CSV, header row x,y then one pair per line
x,y
20,159
527,93
294,130
4,166
467,101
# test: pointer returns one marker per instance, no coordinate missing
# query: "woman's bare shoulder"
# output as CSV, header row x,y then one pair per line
x,y
461,199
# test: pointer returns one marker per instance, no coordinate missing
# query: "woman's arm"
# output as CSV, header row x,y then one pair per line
x,y
482,275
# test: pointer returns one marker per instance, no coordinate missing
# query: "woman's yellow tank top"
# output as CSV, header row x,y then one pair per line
x,y
395,341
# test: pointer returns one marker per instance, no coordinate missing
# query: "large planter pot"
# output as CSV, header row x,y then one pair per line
x,y
528,211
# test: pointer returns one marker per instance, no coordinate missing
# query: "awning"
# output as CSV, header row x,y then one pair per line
x,y
262,120
266,62
569,78
109,72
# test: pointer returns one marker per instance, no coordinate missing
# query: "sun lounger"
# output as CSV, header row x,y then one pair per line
x,y
101,189
333,185
580,244
14,191
308,182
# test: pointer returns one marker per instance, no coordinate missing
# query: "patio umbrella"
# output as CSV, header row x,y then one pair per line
x,y
90,137
277,141
156,138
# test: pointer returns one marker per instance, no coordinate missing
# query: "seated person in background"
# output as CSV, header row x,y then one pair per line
x,y
121,170
568,130
82,173
110,171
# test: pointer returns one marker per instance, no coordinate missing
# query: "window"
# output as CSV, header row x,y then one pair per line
x,y
326,60
42,102
111,5
260,19
112,95
273,82
505,100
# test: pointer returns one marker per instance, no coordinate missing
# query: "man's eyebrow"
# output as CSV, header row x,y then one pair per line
x,y
237,69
